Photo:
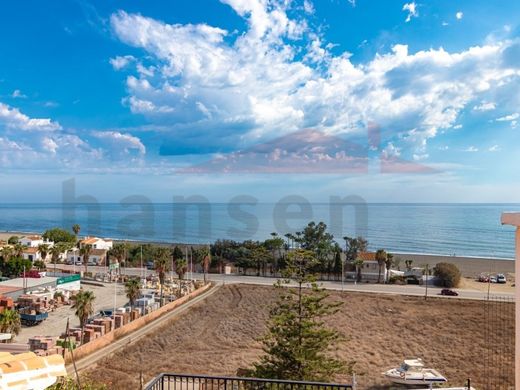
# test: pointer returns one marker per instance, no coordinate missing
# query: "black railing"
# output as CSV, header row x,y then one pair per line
x,y
206,382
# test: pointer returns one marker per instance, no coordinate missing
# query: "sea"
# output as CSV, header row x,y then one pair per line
x,y
472,230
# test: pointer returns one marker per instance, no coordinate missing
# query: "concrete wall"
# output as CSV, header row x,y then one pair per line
x,y
103,341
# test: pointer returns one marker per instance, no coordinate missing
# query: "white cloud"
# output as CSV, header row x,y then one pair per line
x,y
51,104
459,15
308,7
7,145
412,11
120,144
13,119
391,151
49,145
121,62
262,85
457,127
509,118
18,94
485,106
471,149
494,148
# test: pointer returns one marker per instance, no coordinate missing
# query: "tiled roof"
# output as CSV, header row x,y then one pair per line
x,y
29,371
31,250
367,256
33,238
89,240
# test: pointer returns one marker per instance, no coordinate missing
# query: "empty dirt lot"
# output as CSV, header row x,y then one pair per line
x,y
220,335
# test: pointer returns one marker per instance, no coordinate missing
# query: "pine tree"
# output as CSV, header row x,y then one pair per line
x,y
298,343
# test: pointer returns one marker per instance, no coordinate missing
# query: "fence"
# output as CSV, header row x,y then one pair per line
x,y
205,382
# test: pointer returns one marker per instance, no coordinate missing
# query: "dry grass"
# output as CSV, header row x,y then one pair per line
x,y
220,336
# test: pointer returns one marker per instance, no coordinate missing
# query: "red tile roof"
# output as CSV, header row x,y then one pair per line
x,y
33,238
90,240
367,256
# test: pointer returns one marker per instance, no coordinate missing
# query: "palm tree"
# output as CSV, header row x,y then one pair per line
x,y
358,263
84,305
56,252
10,323
85,251
133,290
76,229
18,249
179,262
389,262
7,253
119,252
181,267
381,261
354,246
203,256
162,265
408,264
44,251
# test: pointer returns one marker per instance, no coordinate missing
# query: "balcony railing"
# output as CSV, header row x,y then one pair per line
x,y
206,382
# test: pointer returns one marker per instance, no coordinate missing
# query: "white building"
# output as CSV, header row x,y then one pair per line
x,y
369,270
96,243
97,256
32,254
33,241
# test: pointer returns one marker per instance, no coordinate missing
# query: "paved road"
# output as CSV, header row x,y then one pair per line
x,y
348,286
93,358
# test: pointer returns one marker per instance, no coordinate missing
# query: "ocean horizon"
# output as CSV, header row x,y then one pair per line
x,y
453,229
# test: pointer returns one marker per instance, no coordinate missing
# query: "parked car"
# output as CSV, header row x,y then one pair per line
x,y
483,278
447,291
501,278
492,279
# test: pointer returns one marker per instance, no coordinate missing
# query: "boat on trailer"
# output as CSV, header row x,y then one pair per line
x,y
412,372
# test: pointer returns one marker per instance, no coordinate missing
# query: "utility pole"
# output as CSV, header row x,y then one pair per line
x,y
426,272
342,272
191,263
142,271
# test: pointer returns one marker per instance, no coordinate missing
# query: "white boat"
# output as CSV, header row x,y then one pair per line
x,y
413,372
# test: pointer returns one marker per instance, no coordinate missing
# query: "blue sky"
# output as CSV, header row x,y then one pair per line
x,y
127,96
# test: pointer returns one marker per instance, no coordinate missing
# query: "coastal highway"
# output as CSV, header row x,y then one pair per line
x,y
347,286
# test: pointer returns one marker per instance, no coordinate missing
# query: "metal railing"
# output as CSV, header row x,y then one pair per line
x,y
205,382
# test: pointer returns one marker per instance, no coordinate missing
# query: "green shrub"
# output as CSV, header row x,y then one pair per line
x,y
447,275
13,240
69,383
397,280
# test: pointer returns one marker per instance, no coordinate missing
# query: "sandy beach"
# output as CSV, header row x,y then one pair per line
x,y
469,266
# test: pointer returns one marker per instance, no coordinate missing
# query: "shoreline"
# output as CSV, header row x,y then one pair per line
x,y
470,266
